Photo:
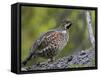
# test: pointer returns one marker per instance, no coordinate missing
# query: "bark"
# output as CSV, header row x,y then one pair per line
x,y
84,58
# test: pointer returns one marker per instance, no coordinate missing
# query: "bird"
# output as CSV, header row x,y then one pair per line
x,y
49,44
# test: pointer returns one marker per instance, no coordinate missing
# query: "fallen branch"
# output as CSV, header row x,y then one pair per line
x,y
80,59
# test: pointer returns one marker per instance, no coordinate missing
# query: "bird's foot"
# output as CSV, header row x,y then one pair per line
x,y
38,63
51,60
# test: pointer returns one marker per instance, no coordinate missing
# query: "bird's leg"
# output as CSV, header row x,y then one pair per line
x,y
38,63
51,60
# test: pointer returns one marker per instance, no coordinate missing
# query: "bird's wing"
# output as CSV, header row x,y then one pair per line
x,y
40,43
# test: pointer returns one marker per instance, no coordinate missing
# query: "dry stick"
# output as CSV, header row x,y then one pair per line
x,y
90,31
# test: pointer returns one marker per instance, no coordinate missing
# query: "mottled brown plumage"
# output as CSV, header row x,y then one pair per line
x,y
50,43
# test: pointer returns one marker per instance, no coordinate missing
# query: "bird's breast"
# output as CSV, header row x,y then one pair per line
x,y
64,39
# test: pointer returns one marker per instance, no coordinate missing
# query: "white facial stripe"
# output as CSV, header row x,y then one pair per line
x,y
67,24
64,31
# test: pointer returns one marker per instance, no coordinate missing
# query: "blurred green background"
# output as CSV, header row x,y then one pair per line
x,y
37,20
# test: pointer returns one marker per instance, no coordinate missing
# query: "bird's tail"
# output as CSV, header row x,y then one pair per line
x,y
28,58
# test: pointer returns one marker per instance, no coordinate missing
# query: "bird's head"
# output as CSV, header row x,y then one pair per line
x,y
67,24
